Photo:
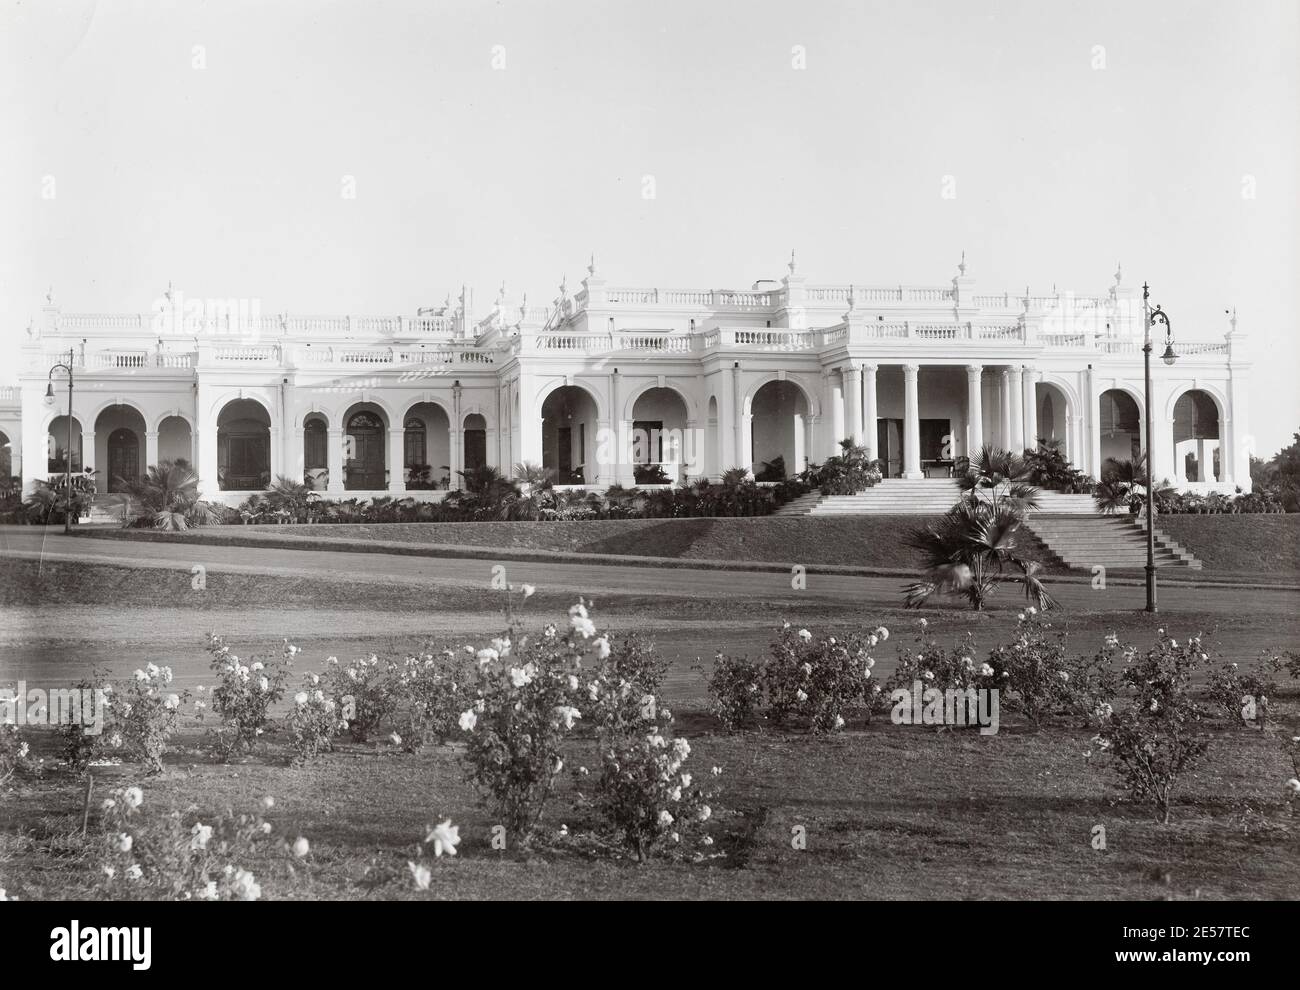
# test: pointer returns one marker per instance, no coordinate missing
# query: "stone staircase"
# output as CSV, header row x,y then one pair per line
x,y
1114,542
1068,526
108,509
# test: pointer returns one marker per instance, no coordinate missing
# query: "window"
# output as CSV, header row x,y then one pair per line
x,y
413,441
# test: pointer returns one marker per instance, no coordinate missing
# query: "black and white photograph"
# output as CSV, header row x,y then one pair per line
x,y
456,450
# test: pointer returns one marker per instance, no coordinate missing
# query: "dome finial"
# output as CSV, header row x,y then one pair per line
x,y
591,268
1119,274
962,267
791,264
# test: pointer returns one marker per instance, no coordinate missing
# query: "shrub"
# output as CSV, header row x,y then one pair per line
x,y
643,796
1241,695
169,856
846,473
1047,467
525,705
14,752
437,689
1158,736
1039,679
820,679
313,720
366,688
80,748
244,695
735,687
146,714
650,474
939,667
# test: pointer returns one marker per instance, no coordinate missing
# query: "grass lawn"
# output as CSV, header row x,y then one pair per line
x,y
862,541
889,812
1257,543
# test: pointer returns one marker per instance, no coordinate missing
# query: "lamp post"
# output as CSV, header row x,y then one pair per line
x,y
1150,317
67,453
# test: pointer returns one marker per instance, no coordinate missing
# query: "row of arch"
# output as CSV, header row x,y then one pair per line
x,y
664,446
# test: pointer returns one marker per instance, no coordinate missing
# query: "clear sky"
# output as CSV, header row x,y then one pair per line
x,y
227,179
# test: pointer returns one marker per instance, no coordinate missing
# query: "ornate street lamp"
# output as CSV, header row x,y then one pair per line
x,y
1150,317
67,454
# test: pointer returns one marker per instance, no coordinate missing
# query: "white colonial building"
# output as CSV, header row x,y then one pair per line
x,y
609,379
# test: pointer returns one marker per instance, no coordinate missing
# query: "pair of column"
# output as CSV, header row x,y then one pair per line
x,y
1017,405
859,385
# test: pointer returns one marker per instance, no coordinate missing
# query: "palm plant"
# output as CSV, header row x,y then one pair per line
x,y
535,497
47,504
1123,485
968,551
997,476
169,495
288,499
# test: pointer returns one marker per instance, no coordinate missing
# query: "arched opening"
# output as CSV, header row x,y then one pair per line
x,y
475,442
315,453
365,440
243,446
6,459
175,440
1053,416
778,414
1196,437
119,447
569,422
661,449
57,446
426,445
1120,424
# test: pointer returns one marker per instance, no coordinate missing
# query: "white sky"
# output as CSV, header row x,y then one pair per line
x,y
226,180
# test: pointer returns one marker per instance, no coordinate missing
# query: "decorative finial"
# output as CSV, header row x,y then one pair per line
x,y
501,295
168,293
1119,273
591,268
564,286
523,307
1233,321
791,265
853,303
962,267
49,296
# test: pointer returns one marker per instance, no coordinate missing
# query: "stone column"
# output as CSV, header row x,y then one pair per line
x,y
150,448
1016,411
396,455
1031,408
853,401
1004,408
1090,424
911,423
88,457
974,409
295,457
334,461
869,414
276,459
835,390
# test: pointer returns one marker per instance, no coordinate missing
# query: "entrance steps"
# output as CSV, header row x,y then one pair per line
x,y
1111,541
918,497
1068,526
111,509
